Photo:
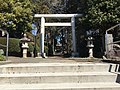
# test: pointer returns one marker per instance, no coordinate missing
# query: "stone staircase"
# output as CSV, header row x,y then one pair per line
x,y
60,76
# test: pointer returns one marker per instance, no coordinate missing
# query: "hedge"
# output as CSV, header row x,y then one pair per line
x,y
14,48
2,58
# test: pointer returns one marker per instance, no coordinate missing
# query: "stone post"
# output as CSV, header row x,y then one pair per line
x,y
108,43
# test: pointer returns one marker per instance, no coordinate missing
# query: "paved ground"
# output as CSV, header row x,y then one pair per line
x,y
48,60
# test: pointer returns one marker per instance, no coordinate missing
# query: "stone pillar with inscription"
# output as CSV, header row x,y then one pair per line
x,y
109,44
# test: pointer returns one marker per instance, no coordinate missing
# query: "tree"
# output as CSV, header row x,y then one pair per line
x,y
73,6
15,16
41,6
101,14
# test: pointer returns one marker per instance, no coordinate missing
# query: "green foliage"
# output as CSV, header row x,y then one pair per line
x,y
1,52
2,58
14,46
73,6
32,37
101,14
31,47
41,6
15,15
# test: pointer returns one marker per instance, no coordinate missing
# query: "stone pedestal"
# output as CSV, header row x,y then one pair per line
x,y
25,53
90,47
25,47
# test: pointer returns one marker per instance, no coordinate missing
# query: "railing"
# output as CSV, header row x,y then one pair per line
x,y
7,42
112,43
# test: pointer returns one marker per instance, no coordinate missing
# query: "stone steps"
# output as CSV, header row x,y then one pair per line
x,y
62,77
57,67
59,76
62,86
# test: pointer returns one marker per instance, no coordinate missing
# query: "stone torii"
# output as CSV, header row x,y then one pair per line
x,y
43,24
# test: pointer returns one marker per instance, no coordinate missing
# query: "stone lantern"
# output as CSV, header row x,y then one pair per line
x,y
25,46
90,46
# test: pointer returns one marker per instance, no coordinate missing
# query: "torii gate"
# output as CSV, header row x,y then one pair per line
x,y
43,24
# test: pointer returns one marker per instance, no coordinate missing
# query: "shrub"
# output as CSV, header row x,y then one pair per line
x,y
31,47
14,46
1,55
1,52
3,42
2,58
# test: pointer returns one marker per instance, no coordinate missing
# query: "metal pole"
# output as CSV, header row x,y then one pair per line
x,y
7,45
106,43
35,52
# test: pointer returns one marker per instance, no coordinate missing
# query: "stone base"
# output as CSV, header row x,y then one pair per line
x,y
24,52
24,55
43,55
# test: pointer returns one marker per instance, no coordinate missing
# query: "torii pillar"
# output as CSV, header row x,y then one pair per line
x,y
42,37
73,36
